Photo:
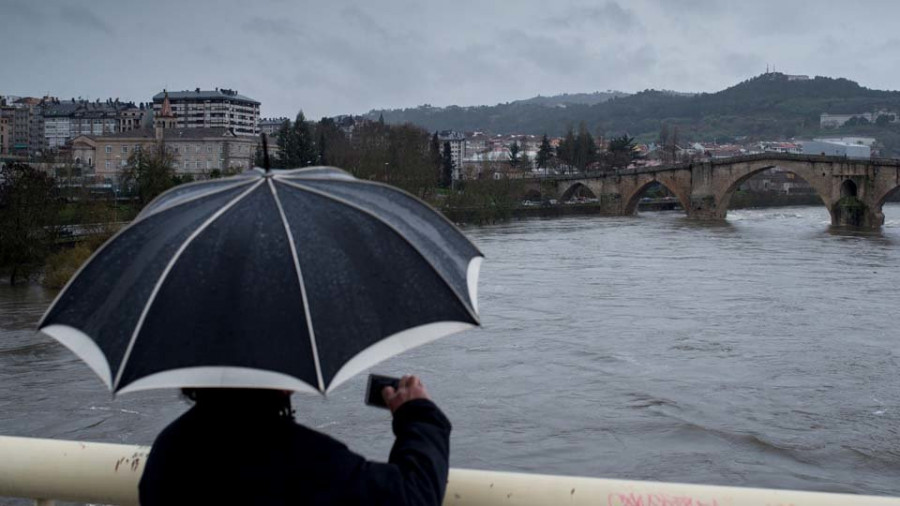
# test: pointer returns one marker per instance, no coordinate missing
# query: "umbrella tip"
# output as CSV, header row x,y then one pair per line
x,y
265,148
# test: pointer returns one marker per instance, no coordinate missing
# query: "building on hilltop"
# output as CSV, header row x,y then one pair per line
x,y
221,108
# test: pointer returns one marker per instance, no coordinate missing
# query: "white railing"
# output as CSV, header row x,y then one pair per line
x,y
47,470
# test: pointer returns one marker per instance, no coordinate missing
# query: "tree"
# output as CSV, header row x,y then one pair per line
x,y
545,153
621,151
286,146
585,148
29,210
565,152
259,158
447,166
151,171
434,151
884,120
513,154
306,153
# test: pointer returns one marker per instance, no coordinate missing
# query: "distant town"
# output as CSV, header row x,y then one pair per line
x,y
215,131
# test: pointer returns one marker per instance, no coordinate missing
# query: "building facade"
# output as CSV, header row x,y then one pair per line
x,y
457,142
196,151
222,108
4,135
63,121
270,126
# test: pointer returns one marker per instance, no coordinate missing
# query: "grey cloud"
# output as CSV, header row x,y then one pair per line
x,y
610,15
84,18
267,26
22,12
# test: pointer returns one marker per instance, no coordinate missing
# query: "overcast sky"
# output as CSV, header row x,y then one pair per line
x,y
342,57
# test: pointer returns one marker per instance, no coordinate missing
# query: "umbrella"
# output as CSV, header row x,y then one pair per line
x,y
288,279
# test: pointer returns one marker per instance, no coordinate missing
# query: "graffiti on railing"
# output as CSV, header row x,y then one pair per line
x,y
633,499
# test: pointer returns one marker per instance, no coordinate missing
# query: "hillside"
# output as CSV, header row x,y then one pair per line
x,y
769,106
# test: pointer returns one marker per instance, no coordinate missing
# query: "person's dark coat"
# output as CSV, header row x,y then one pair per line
x,y
253,454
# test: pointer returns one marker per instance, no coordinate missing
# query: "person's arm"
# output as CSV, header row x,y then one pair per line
x,y
417,470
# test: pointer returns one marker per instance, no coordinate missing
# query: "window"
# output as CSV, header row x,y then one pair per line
x,y
208,164
209,149
124,150
124,163
109,149
108,165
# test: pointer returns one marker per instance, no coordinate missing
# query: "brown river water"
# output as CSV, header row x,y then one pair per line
x,y
761,352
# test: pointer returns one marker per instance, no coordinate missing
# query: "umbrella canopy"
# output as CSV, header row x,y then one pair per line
x,y
294,279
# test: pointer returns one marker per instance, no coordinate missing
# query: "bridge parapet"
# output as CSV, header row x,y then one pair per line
x,y
704,188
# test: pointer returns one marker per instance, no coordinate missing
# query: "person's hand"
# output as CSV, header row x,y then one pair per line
x,y
409,388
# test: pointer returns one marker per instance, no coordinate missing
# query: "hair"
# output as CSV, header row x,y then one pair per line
x,y
250,399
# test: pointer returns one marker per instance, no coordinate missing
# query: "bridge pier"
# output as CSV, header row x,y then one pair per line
x,y
704,207
850,211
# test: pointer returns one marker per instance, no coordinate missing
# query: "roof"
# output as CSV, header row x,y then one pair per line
x,y
174,134
199,94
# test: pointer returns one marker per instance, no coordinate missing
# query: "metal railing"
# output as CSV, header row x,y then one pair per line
x,y
47,470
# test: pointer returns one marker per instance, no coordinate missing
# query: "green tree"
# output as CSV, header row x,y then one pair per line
x,y
565,152
29,210
585,148
287,146
447,166
305,145
545,153
621,151
434,151
513,153
151,171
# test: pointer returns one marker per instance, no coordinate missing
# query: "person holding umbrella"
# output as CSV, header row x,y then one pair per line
x,y
243,447
240,289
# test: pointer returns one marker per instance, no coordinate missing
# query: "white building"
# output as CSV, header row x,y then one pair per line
x,y
221,108
836,148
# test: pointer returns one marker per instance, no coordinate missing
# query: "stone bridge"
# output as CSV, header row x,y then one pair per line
x,y
854,191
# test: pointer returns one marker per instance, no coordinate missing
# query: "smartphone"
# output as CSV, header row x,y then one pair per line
x,y
376,384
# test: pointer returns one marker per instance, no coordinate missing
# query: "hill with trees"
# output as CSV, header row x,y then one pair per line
x,y
769,106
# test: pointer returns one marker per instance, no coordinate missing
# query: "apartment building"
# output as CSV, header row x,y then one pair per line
x,y
63,121
4,135
457,143
221,108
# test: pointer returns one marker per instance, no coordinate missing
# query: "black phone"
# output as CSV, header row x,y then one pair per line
x,y
376,384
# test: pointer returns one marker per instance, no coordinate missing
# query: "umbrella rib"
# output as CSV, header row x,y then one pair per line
x,y
363,182
103,246
186,201
309,325
390,226
165,274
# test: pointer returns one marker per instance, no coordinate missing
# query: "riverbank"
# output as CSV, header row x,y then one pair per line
x,y
482,216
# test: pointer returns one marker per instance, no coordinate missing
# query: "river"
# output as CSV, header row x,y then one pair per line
x,y
758,352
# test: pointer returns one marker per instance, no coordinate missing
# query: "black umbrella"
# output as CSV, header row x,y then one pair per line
x,y
294,279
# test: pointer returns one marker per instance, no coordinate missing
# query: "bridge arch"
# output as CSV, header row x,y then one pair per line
x,y
631,200
848,188
575,190
740,174
878,208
